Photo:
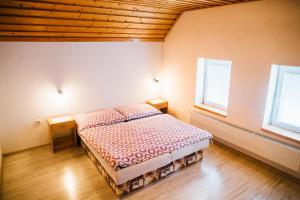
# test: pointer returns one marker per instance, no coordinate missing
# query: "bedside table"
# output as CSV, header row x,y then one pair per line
x,y
62,132
159,104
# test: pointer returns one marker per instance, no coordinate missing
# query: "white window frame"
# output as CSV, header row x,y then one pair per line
x,y
201,83
282,70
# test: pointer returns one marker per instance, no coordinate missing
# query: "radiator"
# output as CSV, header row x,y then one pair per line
x,y
255,143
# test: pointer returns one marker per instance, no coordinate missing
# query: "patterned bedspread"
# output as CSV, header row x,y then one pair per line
x,y
128,143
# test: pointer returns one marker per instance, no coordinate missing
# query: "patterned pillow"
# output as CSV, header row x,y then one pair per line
x,y
98,118
137,111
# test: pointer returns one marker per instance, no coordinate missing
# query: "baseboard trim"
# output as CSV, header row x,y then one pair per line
x,y
285,171
22,150
1,172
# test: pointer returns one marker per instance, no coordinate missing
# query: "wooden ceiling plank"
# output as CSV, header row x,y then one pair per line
x,y
82,9
167,2
214,2
179,7
201,2
184,8
229,1
94,20
81,16
157,3
181,4
86,35
113,5
72,39
82,23
170,5
33,28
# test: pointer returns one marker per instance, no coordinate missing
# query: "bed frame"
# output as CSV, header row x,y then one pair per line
x,y
149,177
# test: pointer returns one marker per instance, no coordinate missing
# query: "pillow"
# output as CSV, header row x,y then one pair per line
x,y
98,118
137,111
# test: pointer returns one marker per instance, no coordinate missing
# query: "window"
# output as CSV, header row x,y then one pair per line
x,y
283,104
213,81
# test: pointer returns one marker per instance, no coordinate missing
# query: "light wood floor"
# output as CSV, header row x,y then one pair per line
x,y
223,174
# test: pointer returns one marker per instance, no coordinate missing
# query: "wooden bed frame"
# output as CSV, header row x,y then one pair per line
x,y
147,178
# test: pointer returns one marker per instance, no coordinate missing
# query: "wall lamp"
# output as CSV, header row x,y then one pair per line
x,y
60,91
155,80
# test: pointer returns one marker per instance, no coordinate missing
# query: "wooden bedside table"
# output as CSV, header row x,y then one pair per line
x,y
160,104
62,132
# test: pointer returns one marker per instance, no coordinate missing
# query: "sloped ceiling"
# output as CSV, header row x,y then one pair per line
x,y
94,20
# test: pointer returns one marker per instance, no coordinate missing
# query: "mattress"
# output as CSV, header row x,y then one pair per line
x,y
129,149
123,175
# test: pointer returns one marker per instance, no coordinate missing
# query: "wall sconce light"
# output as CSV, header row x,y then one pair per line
x,y
155,80
60,91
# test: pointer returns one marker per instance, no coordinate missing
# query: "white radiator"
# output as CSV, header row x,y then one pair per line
x,y
274,151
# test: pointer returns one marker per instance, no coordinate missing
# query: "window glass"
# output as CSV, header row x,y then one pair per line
x,y
213,82
217,84
286,103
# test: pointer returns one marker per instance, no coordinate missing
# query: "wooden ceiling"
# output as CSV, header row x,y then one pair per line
x,y
94,20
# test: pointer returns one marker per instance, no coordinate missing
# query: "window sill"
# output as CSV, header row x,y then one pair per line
x,y
283,133
211,109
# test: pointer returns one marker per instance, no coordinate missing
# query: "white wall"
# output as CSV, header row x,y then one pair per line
x,y
92,75
252,35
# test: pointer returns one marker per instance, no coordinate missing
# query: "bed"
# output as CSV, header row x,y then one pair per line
x,y
134,146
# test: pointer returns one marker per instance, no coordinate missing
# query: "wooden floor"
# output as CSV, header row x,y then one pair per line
x,y
223,174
